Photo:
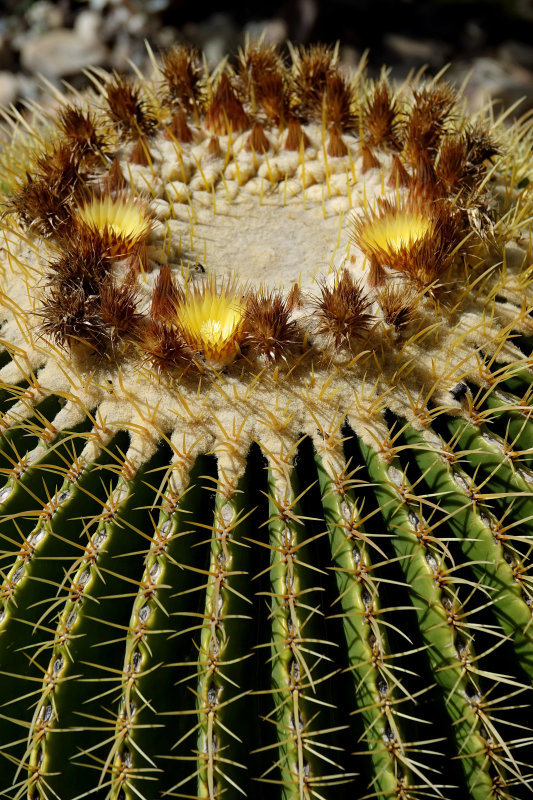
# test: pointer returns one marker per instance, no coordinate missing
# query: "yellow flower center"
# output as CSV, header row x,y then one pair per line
x,y
119,219
395,232
211,322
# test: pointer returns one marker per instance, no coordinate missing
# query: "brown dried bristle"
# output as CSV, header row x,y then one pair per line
x,y
257,141
178,127
342,311
81,131
44,202
162,346
425,125
336,146
140,153
226,112
165,297
380,117
462,159
338,100
182,79
82,260
398,174
398,305
71,316
370,161
114,181
296,136
127,109
118,311
311,70
269,331
264,79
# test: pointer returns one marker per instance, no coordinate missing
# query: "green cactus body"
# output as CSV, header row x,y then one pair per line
x,y
266,447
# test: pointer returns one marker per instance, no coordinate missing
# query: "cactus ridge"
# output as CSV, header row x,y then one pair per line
x,y
266,447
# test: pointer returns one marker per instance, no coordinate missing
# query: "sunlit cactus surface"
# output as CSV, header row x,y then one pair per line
x,y
266,503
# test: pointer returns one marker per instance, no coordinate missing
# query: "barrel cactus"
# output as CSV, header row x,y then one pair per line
x,y
266,448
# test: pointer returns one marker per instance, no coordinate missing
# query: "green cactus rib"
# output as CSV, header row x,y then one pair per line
x,y
301,662
474,525
429,574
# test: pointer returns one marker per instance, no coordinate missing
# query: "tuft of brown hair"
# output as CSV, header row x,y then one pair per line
x,y
269,330
226,112
398,304
462,158
257,141
162,346
81,131
424,127
166,297
264,79
296,136
71,316
342,311
182,79
380,116
118,311
127,109
320,91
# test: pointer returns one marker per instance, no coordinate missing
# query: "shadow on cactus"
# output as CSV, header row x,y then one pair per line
x,y
266,439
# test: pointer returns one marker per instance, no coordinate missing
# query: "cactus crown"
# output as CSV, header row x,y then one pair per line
x,y
288,267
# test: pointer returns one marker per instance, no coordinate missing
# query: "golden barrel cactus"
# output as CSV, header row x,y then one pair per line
x,y
266,448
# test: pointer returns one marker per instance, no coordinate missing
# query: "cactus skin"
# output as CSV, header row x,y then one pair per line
x,y
290,560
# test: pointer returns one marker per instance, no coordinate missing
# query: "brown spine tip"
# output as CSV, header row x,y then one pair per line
x,y
178,128
140,153
114,180
376,273
165,297
226,112
296,136
257,141
336,146
370,161
398,174
213,148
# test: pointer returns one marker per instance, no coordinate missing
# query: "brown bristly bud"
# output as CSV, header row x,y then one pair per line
x,y
342,311
44,202
114,180
370,161
118,311
398,305
337,103
336,146
140,153
296,136
398,175
462,158
294,298
82,261
72,316
269,331
178,128
182,79
257,141
380,116
128,110
214,149
310,72
162,346
165,297
226,112
422,131
81,131
264,79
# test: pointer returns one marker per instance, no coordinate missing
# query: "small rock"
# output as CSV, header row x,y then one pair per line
x,y
61,52
414,52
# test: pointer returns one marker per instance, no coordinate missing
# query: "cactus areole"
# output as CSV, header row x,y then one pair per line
x,y
266,502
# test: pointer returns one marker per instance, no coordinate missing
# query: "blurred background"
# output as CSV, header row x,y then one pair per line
x,y
492,41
